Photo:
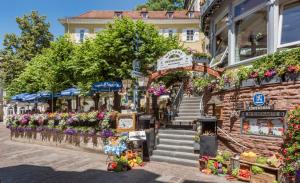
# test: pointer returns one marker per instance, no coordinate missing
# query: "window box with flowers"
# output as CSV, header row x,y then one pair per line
x,y
292,73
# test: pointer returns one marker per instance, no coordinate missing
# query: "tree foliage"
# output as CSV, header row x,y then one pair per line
x,y
18,50
159,5
108,56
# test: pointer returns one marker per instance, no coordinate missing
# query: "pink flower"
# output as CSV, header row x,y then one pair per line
x,y
101,115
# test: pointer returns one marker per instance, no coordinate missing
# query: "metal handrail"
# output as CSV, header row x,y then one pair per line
x,y
177,100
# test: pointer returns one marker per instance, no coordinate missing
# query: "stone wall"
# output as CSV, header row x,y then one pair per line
x,y
284,96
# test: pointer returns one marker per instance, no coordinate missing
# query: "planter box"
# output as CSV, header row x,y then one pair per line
x,y
292,77
262,178
228,86
272,80
200,60
249,83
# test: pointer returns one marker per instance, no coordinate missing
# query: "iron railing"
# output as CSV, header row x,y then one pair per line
x,y
177,100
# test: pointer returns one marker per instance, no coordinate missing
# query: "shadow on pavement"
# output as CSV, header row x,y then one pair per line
x,y
40,174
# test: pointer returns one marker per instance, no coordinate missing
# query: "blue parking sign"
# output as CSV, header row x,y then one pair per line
x,y
259,99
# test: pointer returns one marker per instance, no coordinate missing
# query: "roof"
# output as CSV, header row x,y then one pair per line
x,y
95,14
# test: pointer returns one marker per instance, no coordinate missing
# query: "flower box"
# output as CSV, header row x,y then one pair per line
x,y
271,80
228,86
201,60
292,77
249,83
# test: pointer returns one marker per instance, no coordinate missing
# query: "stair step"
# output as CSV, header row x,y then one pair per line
x,y
191,101
190,105
189,114
176,142
172,154
176,131
176,136
177,161
191,118
165,147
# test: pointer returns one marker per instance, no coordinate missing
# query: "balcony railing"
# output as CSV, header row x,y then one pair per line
x,y
206,5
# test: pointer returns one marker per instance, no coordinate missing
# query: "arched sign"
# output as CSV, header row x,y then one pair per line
x,y
174,59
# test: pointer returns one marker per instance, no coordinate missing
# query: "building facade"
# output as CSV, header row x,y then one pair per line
x,y
184,24
241,31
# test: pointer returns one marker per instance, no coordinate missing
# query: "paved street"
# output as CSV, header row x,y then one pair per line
x,y
28,163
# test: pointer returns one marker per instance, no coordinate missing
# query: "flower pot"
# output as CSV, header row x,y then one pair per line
x,y
271,80
196,146
292,77
290,179
249,83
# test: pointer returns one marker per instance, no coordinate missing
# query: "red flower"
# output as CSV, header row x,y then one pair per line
x,y
284,151
216,164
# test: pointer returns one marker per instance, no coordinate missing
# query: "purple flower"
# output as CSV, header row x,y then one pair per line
x,y
39,129
70,131
107,134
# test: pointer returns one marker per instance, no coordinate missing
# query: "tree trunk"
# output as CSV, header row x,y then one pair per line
x,y
117,102
52,105
96,98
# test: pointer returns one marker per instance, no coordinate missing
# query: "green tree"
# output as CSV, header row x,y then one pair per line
x,y
49,70
18,50
159,5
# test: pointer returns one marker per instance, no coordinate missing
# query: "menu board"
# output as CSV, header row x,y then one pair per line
x,y
126,122
263,126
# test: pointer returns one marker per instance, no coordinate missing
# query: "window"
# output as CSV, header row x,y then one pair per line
x,y
144,14
81,35
290,31
118,14
190,35
251,35
222,23
191,14
171,33
247,5
170,14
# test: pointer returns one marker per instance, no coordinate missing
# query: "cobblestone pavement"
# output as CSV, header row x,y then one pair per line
x,y
30,163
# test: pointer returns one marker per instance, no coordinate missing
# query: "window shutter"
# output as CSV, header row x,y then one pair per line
x,y
166,33
183,35
161,32
196,35
77,36
86,33
174,32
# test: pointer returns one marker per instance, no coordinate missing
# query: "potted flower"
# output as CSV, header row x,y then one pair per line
x,y
196,143
247,78
292,73
270,77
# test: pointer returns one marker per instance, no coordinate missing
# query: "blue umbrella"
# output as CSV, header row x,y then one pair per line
x,y
70,92
19,97
31,98
44,95
107,86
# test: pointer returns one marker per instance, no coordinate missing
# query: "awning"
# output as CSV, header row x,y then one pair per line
x,y
107,86
70,92
31,98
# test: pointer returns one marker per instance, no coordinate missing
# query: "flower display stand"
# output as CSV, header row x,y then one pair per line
x,y
262,178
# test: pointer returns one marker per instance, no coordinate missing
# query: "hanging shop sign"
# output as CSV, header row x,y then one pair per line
x,y
174,59
137,135
126,122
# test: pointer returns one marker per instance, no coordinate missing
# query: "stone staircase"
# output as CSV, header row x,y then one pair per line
x,y
175,146
189,110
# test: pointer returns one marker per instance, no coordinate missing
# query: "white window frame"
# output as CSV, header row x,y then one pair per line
x,y
235,19
217,32
78,33
279,45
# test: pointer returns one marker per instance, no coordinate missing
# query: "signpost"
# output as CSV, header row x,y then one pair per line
x,y
259,99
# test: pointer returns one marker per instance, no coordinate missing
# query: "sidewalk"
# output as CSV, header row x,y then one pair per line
x,y
30,163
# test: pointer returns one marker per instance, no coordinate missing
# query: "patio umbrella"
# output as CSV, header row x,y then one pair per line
x,y
69,92
107,86
19,97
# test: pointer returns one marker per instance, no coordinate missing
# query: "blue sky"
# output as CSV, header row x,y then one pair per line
x,y
54,9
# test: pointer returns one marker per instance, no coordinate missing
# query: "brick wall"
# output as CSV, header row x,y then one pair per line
x,y
284,96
